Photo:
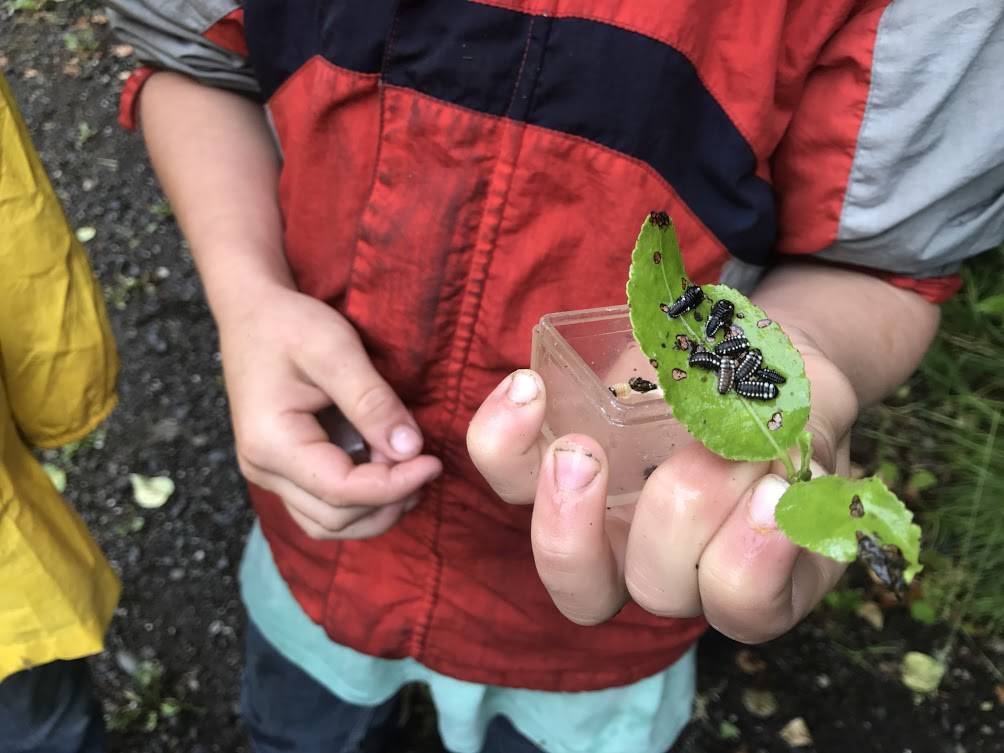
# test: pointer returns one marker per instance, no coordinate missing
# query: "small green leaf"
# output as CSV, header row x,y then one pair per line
x,y
921,673
728,425
992,305
818,515
888,472
728,731
86,234
922,480
56,475
923,612
151,492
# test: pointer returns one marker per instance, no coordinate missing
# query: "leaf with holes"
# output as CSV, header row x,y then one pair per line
x,y
826,514
729,425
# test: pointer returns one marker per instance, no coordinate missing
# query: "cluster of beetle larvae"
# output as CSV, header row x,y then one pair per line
x,y
739,366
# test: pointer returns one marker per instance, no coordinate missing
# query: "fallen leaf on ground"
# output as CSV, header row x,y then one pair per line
x,y
871,613
56,475
749,662
796,733
122,50
999,692
99,19
71,69
151,492
3,61
760,703
921,673
31,73
728,731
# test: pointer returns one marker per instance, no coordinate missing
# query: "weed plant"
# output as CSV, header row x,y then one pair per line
x,y
944,432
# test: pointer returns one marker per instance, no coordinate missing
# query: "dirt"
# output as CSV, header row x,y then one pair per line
x,y
180,608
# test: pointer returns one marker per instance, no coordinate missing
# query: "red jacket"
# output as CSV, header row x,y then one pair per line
x,y
452,171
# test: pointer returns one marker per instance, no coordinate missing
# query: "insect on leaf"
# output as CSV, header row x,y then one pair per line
x,y
825,515
729,425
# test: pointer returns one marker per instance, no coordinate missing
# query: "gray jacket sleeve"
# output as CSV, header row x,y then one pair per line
x,y
168,34
926,188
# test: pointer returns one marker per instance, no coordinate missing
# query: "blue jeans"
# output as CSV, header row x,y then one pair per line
x,y
51,709
285,709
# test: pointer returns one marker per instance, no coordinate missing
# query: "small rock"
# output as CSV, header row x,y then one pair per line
x,y
199,555
177,573
165,430
796,733
871,613
987,706
162,273
126,662
823,681
89,184
760,703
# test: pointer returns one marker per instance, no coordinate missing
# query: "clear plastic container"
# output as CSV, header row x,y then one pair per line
x,y
581,355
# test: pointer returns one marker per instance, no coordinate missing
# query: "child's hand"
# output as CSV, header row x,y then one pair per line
x,y
286,356
700,539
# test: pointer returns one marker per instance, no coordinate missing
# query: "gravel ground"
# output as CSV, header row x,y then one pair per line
x,y
171,672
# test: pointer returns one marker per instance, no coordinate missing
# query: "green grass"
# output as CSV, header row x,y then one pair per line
x,y
944,432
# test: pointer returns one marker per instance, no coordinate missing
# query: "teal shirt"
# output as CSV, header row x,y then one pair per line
x,y
644,717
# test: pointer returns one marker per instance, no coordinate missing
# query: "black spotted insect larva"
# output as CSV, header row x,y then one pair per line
x,y
726,373
720,316
732,346
750,363
690,299
705,360
753,390
769,375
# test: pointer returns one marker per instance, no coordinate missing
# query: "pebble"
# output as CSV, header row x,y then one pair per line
x,y
760,703
823,681
177,573
796,733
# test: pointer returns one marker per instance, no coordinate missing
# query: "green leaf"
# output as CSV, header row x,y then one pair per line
x,y
151,493
923,612
992,305
817,515
728,425
56,475
728,731
921,673
888,472
922,480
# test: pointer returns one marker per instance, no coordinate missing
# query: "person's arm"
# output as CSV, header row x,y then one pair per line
x,y
286,356
873,332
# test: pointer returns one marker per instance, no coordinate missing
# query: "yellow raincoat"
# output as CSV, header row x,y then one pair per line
x,y
57,383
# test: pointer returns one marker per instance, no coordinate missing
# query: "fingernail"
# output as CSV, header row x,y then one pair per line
x,y
574,468
522,388
404,440
763,501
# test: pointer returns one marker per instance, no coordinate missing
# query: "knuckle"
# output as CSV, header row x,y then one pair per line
x,y
655,598
375,401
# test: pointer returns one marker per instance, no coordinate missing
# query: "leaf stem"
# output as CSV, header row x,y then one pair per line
x,y
793,475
